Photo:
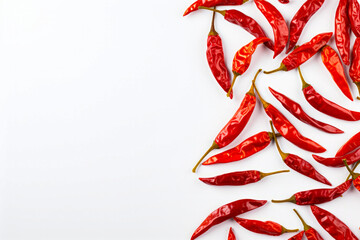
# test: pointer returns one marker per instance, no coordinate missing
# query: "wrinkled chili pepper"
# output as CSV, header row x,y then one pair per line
x,y
352,144
324,105
310,232
212,3
286,129
298,236
238,178
302,16
245,149
216,59
244,21
334,226
296,110
231,235
333,64
242,58
268,227
226,212
303,53
300,165
351,157
354,17
355,176
317,196
342,30
278,24
354,71
236,124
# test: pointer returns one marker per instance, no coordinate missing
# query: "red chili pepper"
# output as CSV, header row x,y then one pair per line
x,y
355,176
354,71
333,63
300,165
334,226
351,157
302,16
317,196
286,129
310,232
296,110
226,212
298,236
238,178
212,3
352,144
236,124
277,22
342,30
326,106
354,17
268,227
284,1
231,235
245,149
242,58
303,53
244,21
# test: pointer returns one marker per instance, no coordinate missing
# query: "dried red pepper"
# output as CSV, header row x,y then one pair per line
x,y
286,129
244,21
355,176
236,124
351,157
333,63
354,17
310,232
298,236
352,144
284,1
334,226
242,58
238,178
300,165
226,212
354,71
231,235
268,227
212,3
245,149
303,53
342,30
278,24
317,196
296,110
324,105
302,16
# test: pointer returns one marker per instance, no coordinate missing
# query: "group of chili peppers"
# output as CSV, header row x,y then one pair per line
x,y
347,20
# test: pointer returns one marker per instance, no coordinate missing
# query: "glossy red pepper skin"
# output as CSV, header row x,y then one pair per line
x,y
354,71
333,64
342,31
226,212
302,16
245,149
212,3
354,17
296,110
278,24
351,157
268,227
298,236
352,144
231,235
334,226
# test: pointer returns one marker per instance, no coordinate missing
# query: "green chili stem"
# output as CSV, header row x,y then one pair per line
x,y
304,83
214,10
214,146
285,230
352,174
292,199
306,227
232,84
264,103
262,175
282,154
281,68
358,86
212,29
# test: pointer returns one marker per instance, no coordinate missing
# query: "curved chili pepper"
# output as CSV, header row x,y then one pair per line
x,y
242,58
354,17
244,21
216,59
317,196
245,149
238,178
302,16
310,232
355,176
354,71
231,235
226,212
352,144
277,22
268,227
303,53
212,3
342,30
351,157
324,105
298,236
333,64
236,124
300,165
296,110
286,129
334,226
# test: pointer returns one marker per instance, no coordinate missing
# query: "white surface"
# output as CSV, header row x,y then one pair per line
x,y
107,105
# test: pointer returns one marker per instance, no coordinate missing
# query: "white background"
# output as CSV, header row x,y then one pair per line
x,y
105,106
